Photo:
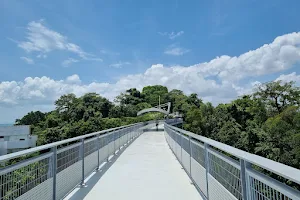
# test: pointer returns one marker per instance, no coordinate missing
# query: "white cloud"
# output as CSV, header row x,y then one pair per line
x,y
27,60
277,56
73,79
172,35
119,64
44,40
176,51
175,35
289,77
42,56
69,61
45,90
218,80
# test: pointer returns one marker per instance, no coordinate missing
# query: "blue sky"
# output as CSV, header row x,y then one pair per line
x,y
214,48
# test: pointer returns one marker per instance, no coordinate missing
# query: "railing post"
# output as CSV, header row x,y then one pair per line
x,y
190,146
114,136
98,152
82,158
180,147
107,144
206,147
128,137
129,132
54,168
244,179
120,140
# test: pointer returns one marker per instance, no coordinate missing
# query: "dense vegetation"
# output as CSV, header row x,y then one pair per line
x,y
266,122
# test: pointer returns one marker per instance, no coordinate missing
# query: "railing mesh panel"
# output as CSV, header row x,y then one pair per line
x,y
17,182
68,170
198,154
186,144
102,142
224,177
262,191
90,156
226,174
90,147
67,158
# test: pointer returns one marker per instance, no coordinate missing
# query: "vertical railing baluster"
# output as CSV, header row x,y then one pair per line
x,y
120,135
107,144
126,135
98,152
128,138
82,158
244,179
129,131
190,146
206,147
114,136
181,148
54,168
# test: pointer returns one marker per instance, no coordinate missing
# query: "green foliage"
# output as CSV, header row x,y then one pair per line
x,y
31,118
278,95
266,123
75,116
131,96
255,123
152,94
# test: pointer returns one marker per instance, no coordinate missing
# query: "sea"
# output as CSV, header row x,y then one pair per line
x,y
6,124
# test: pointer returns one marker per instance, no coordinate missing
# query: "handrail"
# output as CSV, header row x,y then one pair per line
x,y
64,168
283,170
53,144
152,110
217,175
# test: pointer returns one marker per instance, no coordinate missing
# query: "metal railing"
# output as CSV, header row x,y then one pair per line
x,y
53,170
222,172
174,121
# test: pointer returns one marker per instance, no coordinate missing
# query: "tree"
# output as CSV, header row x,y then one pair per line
x,y
152,94
230,132
65,102
277,141
131,96
278,95
32,118
193,99
195,121
266,123
95,103
175,96
254,108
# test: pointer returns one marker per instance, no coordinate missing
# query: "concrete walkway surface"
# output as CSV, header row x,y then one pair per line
x,y
146,170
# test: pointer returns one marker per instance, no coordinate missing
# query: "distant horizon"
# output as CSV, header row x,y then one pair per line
x,y
6,124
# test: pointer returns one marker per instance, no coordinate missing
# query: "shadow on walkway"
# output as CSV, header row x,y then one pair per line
x,y
79,193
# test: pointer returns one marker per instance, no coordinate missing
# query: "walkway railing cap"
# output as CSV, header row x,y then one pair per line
x,y
48,146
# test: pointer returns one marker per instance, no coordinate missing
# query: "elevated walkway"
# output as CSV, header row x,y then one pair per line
x,y
146,170
136,162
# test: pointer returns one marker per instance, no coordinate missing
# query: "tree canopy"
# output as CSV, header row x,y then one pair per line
x,y
266,122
